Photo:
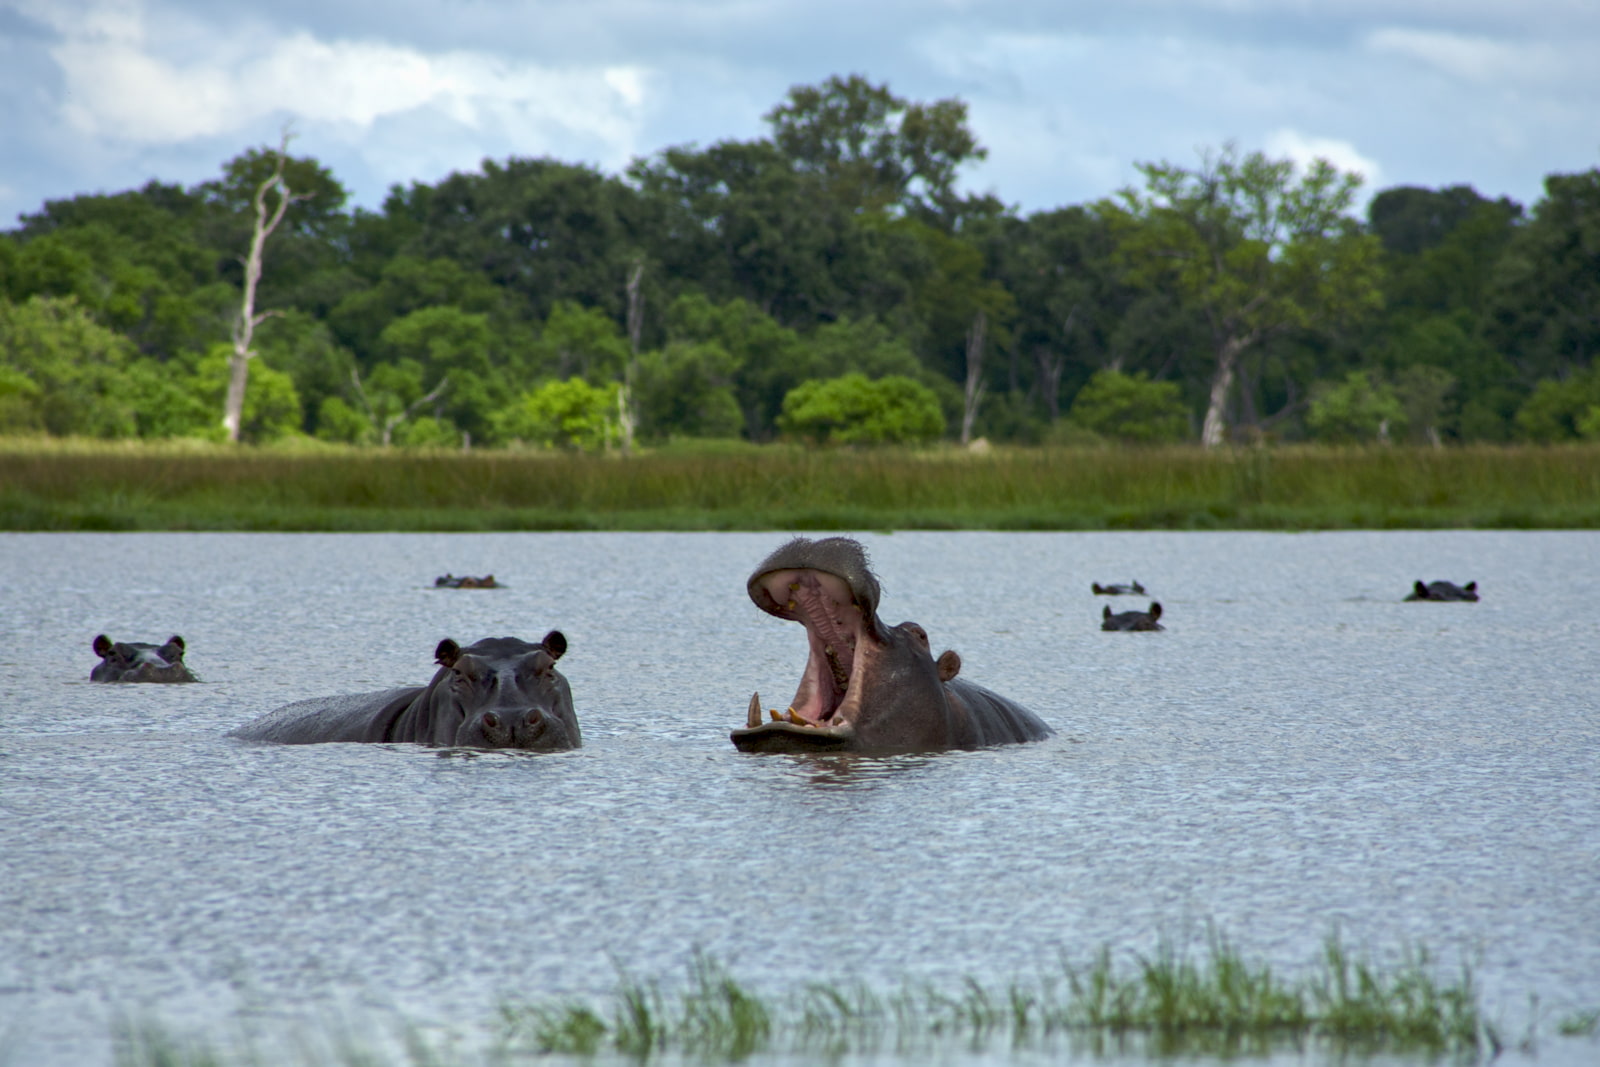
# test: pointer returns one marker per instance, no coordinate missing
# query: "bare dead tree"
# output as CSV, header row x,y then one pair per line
x,y
244,325
625,416
387,426
975,385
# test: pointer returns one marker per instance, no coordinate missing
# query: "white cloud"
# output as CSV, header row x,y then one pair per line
x,y
1302,151
1470,58
126,83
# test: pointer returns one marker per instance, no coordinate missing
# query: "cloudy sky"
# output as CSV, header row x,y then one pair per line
x,y
103,95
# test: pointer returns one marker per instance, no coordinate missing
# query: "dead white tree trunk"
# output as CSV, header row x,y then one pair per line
x,y
975,385
625,417
244,325
1215,428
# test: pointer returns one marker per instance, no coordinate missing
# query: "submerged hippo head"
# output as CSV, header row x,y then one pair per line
x,y
134,661
1132,620
501,692
1443,591
866,686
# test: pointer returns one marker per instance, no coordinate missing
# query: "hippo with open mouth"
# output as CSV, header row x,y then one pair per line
x,y
501,692
867,687
135,661
1443,591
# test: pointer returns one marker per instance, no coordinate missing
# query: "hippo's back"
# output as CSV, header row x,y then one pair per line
x,y
994,719
348,717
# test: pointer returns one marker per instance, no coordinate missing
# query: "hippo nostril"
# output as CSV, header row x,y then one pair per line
x,y
491,720
534,717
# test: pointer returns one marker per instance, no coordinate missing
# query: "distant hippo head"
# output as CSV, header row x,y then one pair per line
x,y
501,692
866,686
134,661
1443,591
1132,620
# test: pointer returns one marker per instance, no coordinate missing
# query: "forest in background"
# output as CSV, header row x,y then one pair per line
x,y
826,283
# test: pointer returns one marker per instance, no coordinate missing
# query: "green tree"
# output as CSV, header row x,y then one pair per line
x,y
338,420
1544,301
1422,391
563,414
449,343
854,409
686,390
1356,409
540,229
1560,410
405,284
62,373
1258,251
875,151
271,409
582,341
738,220
1130,407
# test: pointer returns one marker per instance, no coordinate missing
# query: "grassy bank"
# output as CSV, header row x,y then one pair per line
x,y
81,486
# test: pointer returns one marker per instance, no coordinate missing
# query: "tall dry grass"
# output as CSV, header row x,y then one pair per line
x,y
76,485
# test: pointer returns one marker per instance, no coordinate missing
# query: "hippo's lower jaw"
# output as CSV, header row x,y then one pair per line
x,y
788,737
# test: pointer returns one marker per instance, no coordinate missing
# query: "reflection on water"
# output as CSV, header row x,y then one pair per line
x,y
845,771
1299,749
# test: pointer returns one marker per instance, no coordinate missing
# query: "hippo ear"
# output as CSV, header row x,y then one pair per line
x,y
555,643
1471,587
1155,610
447,653
949,664
177,640
1419,588
1105,613
102,646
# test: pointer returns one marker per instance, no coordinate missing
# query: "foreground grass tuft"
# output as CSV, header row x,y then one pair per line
x,y
1170,1003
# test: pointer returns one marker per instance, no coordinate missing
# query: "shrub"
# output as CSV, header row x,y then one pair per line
x,y
1130,407
1356,409
569,414
1560,410
854,409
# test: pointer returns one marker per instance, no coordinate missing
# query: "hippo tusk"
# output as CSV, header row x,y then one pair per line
x,y
752,717
794,717
775,716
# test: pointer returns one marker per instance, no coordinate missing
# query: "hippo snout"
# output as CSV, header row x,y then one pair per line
x,y
526,728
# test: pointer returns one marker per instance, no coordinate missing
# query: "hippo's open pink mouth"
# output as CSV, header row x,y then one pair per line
x,y
835,628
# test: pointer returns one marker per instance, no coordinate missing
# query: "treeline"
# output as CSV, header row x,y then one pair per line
x,y
826,282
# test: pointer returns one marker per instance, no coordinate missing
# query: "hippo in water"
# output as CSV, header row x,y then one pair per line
x,y
867,687
1443,591
1133,588
1132,620
465,581
134,661
501,692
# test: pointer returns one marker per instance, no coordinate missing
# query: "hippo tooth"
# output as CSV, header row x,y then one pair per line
x,y
775,716
795,717
752,717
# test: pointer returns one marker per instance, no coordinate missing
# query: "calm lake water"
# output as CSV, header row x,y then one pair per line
x,y
1300,749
